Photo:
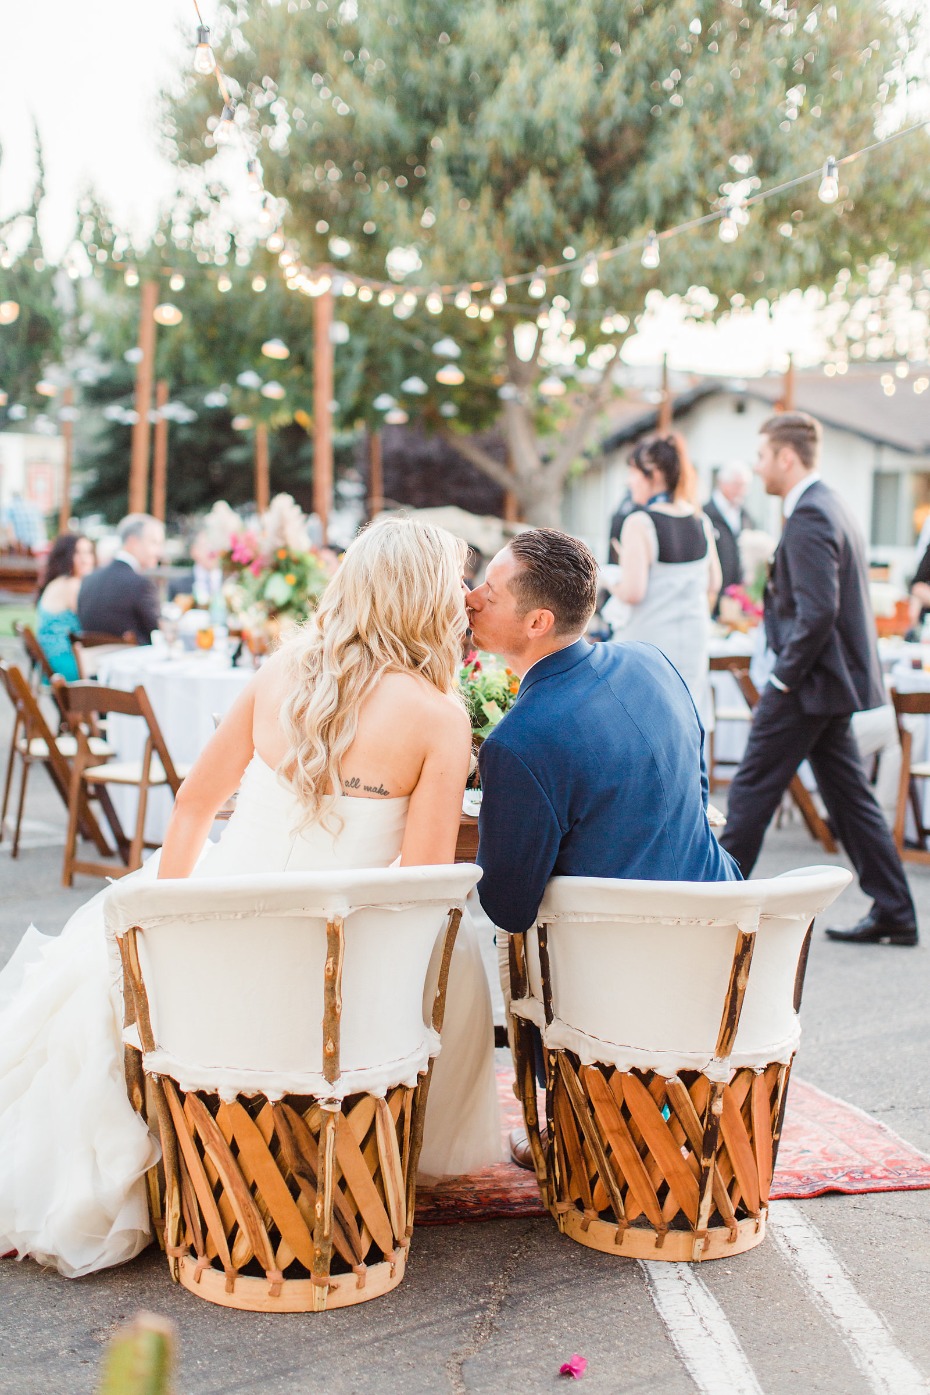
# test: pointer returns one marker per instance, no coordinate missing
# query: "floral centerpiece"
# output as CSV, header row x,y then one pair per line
x,y
274,577
490,690
741,605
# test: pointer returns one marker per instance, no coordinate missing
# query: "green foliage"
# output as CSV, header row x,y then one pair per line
x,y
489,689
33,340
489,135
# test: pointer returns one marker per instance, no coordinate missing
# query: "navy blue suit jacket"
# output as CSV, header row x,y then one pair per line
x,y
596,771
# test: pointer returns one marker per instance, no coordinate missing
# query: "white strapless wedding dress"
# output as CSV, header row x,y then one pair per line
x,y
73,1152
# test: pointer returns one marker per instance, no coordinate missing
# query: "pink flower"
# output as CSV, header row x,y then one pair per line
x,y
243,548
574,1367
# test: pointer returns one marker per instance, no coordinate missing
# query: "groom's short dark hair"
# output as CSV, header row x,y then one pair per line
x,y
558,573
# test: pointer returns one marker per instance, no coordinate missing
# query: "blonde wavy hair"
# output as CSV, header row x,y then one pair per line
x,y
394,605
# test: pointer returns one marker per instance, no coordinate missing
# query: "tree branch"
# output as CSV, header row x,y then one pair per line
x,y
574,437
480,459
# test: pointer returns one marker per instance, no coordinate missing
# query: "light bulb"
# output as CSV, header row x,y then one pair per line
x,y
552,387
472,311
266,214
607,323
223,284
131,277
499,293
486,313
275,348
434,301
538,284
590,274
258,283
729,228
829,190
275,242
9,311
273,390
542,319
254,172
167,314
226,124
177,282
450,375
204,62
386,297
462,299
365,293
651,256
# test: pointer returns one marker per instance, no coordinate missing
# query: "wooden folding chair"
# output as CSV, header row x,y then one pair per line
x,y
83,704
739,667
97,639
910,705
726,663
33,743
41,668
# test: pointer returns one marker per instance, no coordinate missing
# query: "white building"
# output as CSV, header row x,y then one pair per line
x,y
876,451
31,466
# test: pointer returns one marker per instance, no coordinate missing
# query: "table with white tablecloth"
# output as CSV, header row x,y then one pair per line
x,y
185,691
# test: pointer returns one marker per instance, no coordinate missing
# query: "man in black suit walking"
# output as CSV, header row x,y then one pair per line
x,y
119,598
728,519
821,636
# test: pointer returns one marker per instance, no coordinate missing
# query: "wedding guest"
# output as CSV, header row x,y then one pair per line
x,y
120,598
824,667
670,575
728,519
575,782
204,579
70,560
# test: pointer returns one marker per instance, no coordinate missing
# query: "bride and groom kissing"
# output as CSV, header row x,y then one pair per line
x,y
351,748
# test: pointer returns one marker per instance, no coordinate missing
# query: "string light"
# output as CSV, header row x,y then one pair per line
x,y
729,228
223,284
499,292
450,375
651,255
486,313
434,301
204,61
167,314
226,125
254,172
537,287
829,190
131,277
176,282
463,299
590,274
275,348
9,312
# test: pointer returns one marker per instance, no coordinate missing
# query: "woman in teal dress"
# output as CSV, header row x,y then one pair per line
x,y
71,558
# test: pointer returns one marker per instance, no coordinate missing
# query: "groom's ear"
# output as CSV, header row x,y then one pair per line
x,y
542,623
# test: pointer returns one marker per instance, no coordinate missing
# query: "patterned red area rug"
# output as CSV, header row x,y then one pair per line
x,y
826,1146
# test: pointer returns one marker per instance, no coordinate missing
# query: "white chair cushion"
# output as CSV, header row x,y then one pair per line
x,y
67,745
129,772
732,714
639,970
234,970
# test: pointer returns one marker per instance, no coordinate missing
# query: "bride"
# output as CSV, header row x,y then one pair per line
x,y
350,748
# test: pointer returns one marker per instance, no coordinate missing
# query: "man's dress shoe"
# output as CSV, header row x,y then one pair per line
x,y
870,930
520,1151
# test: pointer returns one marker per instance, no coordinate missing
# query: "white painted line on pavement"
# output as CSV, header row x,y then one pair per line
x,y
867,1338
698,1327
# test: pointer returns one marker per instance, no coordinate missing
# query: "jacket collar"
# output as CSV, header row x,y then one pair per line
x,y
559,662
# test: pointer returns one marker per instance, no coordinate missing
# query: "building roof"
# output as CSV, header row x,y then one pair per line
x,y
855,401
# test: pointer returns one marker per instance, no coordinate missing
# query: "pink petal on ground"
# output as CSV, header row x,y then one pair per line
x,y
574,1367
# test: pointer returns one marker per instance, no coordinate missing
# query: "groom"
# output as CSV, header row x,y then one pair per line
x,y
598,768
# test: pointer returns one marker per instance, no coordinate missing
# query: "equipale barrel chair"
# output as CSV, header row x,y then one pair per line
x,y
669,1021
282,1030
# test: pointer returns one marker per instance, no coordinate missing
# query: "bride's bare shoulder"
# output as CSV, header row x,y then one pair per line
x,y
415,699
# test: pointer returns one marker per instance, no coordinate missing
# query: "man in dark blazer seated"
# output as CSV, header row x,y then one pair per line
x,y
598,768
728,519
821,637
119,598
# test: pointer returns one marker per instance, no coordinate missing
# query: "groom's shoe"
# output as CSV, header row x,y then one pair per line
x,y
520,1151
872,930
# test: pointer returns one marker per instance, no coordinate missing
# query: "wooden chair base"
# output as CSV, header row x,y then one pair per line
x,y
297,1295
653,1168
292,1205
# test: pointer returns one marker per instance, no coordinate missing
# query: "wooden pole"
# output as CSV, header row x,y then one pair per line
x,y
511,502
375,474
67,436
665,406
145,372
160,453
789,390
262,469
322,410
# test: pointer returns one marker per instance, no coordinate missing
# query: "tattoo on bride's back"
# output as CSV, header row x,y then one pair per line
x,y
356,784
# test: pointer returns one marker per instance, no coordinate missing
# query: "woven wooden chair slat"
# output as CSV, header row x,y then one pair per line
x,y
223,1203
740,1150
203,1191
681,1181
261,1171
762,1126
300,1150
392,1174
576,1171
253,1238
364,1192
591,1134
625,1152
